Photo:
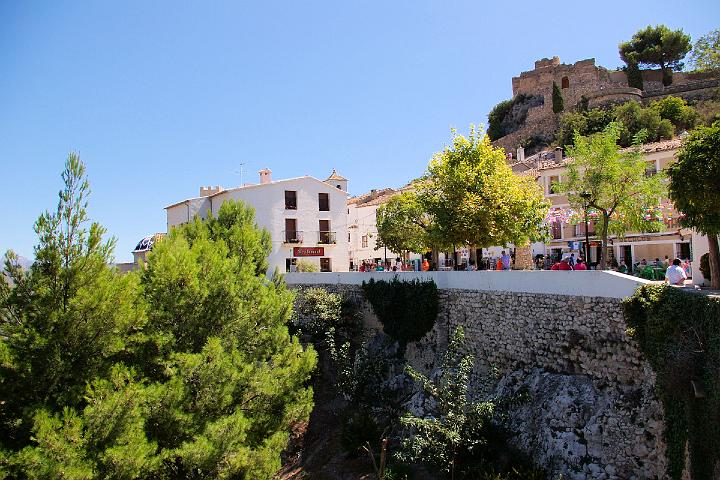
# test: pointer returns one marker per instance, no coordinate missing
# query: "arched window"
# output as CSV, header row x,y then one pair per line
x,y
565,82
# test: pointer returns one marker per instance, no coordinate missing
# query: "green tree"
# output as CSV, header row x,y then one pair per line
x,y
184,370
695,188
457,428
640,125
705,55
613,182
495,119
676,111
557,100
657,45
403,225
570,124
475,199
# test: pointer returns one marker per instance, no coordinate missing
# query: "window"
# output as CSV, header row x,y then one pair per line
x,y
290,200
291,233
291,264
364,241
339,187
552,189
565,82
348,237
325,265
324,202
557,230
326,236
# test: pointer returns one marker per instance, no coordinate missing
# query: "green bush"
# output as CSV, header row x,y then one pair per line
x,y
679,334
406,309
644,124
677,111
496,117
305,266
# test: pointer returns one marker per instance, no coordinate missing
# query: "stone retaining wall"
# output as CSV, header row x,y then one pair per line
x,y
592,413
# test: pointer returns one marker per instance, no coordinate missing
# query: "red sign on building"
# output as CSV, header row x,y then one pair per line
x,y
308,251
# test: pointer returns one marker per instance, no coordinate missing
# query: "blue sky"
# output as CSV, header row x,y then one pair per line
x,y
162,97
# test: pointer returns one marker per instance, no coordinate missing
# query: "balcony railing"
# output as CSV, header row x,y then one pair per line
x,y
326,238
293,236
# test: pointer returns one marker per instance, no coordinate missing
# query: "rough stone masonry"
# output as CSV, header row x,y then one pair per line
x,y
592,412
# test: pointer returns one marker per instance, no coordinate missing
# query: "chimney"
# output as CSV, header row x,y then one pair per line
x,y
265,177
520,154
210,190
558,154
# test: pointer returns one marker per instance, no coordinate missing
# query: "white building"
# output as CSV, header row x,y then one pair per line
x,y
306,217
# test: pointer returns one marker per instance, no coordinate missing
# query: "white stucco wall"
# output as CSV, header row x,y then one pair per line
x,y
699,248
268,200
589,283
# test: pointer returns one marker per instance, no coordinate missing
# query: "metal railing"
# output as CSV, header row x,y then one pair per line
x,y
293,236
326,238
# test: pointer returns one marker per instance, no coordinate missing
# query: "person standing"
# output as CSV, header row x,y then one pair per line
x,y
580,265
571,261
675,275
505,261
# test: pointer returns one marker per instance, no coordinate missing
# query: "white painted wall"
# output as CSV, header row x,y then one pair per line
x,y
699,248
268,200
589,283
362,222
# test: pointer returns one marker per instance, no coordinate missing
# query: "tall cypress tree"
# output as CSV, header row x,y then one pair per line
x,y
557,99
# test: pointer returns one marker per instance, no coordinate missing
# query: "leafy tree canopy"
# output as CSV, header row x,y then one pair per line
x,y
475,198
184,370
695,187
705,55
613,182
659,46
404,226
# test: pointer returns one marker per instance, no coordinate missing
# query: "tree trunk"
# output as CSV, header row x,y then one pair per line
x,y
714,260
435,259
603,243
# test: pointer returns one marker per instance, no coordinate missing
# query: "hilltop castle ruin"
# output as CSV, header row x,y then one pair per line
x,y
532,122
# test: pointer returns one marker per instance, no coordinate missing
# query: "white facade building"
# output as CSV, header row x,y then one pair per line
x,y
306,217
362,228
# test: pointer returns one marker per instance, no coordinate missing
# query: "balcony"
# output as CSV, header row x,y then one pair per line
x,y
293,236
326,238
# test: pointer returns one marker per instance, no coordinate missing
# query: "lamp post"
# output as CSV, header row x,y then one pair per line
x,y
586,196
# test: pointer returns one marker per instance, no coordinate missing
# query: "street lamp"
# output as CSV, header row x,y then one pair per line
x,y
586,200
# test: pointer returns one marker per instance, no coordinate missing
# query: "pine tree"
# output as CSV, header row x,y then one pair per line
x,y
186,370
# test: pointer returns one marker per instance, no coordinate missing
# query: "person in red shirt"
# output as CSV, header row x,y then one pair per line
x,y
580,265
562,265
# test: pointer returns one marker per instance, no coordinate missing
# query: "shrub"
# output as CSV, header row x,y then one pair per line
x,y
643,124
456,429
496,117
571,123
677,111
305,266
407,310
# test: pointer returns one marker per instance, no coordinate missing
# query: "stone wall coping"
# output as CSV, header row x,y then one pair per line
x,y
591,283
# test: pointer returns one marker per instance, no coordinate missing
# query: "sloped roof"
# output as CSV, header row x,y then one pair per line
x,y
335,176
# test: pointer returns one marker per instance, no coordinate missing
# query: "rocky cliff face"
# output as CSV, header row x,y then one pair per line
x,y
584,428
589,411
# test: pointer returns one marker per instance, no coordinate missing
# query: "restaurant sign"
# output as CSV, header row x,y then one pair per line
x,y
308,251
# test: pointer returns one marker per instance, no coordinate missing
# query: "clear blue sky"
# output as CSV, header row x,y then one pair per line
x,y
162,97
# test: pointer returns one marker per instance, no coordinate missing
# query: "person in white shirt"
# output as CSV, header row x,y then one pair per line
x,y
675,275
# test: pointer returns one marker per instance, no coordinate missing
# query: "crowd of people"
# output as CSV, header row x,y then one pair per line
x,y
675,271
